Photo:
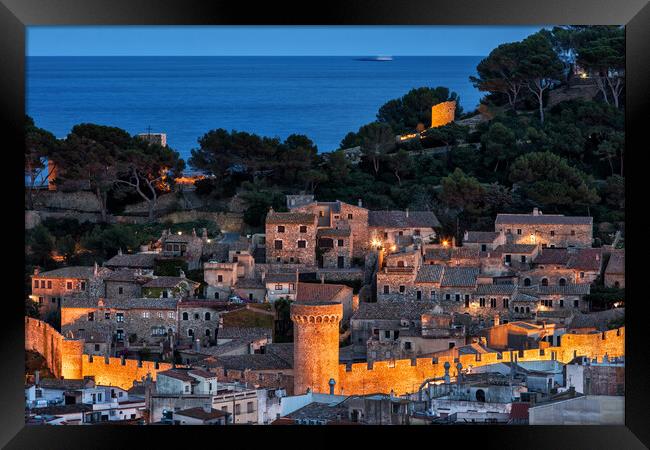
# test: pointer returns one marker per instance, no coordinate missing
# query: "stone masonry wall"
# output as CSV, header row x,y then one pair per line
x,y
582,237
406,375
290,238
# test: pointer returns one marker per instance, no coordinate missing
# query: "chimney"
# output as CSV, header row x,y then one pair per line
x,y
96,269
197,344
535,212
360,203
322,278
332,382
37,270
37,377
407,212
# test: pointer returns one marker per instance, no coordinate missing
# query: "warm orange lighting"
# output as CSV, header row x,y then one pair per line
x,y
189,180
375,243
445,243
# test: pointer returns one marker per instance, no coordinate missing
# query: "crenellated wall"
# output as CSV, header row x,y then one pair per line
x,y
45,340
120,372
406,375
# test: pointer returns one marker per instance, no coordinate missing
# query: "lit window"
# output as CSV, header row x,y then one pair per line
x,y
68,285
145,314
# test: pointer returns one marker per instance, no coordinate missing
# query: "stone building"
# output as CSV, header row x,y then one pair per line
x,y
281,285
250,289
386,227
615,271
220,278
291,237
483,241
187,247
171,287
126,283
547,230
143,320
199,320
335,247
51,287
523,335
138,261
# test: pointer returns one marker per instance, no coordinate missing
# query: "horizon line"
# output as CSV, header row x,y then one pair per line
x,y
245,56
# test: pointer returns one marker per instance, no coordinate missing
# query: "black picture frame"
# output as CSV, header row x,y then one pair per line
x,y
15,15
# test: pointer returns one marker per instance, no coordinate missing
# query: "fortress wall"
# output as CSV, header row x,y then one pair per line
x,y
118,372
406,375
442,113
45,340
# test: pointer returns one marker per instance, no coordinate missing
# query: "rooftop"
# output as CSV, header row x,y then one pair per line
x,y
429,273
481,237
616,264
168,282
121,304
290,217
202,414
138,260
319,292
542,219
80,272
403,219
459,276
410,310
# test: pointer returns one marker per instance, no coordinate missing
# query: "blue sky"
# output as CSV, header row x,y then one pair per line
x,y
270,40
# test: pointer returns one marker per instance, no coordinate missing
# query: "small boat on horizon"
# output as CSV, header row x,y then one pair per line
x,y
375,58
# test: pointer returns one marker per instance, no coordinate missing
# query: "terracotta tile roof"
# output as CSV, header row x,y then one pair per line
x,y
481,237
200,413
177,374
202,373
459,276
138,260
515,248
280,278
282,350
290,217
319,292
557,256
79,272
542,219
398,219
496,289
588,259
429,273
569,289
616,264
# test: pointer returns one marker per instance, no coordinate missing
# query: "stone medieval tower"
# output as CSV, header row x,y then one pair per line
x,y
316,346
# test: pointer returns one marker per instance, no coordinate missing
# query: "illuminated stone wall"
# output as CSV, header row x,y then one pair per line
x,y
442,113
45,340
407,375
120,372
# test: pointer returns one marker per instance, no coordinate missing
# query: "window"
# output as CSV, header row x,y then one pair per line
x,y
467,301
208,316
292,286
171,314
509,231
340,242
278,244
207,332
561,303
576,303
190,332
165,293
407,345
169,247
107,315
303,228
83,285
523,258
119,334
216,296
219,278
43,284
433,295
508,259
518,230
187,388
447,296
457,297
196,316
400,263
506,302
452,344
68,285
387,334
481,301
40,300
238,406
562,282
302,244
321,213
160,314
185,316
552,232
183,247
176,247
235,259
278,287
385,235
526,281
349,216
418,295
145,314
120,290
527,309
401,233
493,303
573,232
416,232
91,316
35,284
249,407
49,284
582,274
386,289
484,247
280,228
516,309
119,317
402,289
544,281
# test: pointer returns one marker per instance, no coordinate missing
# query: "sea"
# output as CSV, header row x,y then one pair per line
x,y
184,97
